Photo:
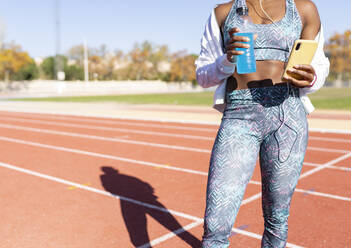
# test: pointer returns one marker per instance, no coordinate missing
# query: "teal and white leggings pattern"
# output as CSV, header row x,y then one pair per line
x,y
269,122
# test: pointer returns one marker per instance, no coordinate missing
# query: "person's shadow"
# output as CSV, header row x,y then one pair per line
x,y
134,215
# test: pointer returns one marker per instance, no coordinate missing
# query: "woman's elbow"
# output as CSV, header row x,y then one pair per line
x,y
200,81
205,81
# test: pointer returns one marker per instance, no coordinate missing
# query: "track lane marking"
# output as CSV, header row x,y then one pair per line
x,y
98,191
306,174
133,161
334,167
185,136
323,166
124,120
94,137
196,224
256,196
197,220
327,166
100,155
134,142
171,235
316,193
337,140
321,149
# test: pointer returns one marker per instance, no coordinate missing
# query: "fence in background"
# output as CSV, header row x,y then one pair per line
x,y
66,88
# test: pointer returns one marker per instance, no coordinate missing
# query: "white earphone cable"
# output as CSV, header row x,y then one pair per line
x,y
288,85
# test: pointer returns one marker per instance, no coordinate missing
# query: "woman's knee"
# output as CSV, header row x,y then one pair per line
x,y
215,235
276,223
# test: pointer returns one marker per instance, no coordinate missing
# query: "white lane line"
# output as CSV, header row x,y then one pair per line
x,y
197,220
330,139
240,231
257,196
100,155
324,166
337,197
195,224
329,167
126,121
87,136
98,191
133,161
246,201
171,235
76,116
134,142
321,149
325,130
316,193
259,237
332,162
185,136
252,198
167,134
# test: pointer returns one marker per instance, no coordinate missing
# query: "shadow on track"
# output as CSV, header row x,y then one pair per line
x,y
135,215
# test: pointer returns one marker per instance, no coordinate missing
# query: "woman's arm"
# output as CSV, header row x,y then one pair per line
x,y
321,65
310,19
210,71
212,66
316,73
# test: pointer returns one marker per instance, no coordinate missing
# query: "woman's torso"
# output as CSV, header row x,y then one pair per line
x,y
273,43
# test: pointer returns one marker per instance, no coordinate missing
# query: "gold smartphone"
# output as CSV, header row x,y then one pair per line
x,y
302,54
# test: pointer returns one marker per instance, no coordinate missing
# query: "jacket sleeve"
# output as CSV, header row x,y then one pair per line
x,y
321,65
212,66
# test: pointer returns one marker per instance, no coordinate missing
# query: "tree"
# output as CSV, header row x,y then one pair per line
x,y
160,55
183,68
140,65
48,67
76,53
12,59
74,72
144,61
338,49
95,67
28,72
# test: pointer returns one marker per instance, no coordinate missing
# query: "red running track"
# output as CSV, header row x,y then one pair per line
x,y
70,181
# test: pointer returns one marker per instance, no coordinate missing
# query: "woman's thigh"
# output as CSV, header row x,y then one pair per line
x,y
232,163
281,158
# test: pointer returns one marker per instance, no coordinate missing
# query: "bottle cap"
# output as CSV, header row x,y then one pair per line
x,y
242,10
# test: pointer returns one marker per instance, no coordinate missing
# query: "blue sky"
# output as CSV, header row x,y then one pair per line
x,y
119,24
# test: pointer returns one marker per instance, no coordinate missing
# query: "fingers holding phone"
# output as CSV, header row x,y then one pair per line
x,y
300,75
299,71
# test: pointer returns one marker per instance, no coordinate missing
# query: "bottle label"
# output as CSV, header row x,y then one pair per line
x,y
246,63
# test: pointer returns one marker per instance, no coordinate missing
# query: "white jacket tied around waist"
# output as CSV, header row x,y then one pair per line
x,y
213,67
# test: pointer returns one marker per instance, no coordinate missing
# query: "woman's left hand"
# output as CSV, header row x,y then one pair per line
x,y
305,71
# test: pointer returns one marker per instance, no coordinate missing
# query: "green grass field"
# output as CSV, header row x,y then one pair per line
x,y
326,98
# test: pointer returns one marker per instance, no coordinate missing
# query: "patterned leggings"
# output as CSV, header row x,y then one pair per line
x,y
270,122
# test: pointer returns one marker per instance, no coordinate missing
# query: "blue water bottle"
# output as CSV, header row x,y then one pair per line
x,y
246,63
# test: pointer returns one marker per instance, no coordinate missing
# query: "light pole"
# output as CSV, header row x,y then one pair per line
x,y
2,33
86,65
58,68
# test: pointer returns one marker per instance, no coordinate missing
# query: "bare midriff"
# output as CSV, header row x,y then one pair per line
x,y
268,72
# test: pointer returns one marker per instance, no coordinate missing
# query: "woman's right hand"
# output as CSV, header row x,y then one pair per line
x,y
235,42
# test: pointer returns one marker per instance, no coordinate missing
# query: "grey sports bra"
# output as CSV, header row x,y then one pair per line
x,y
274,41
